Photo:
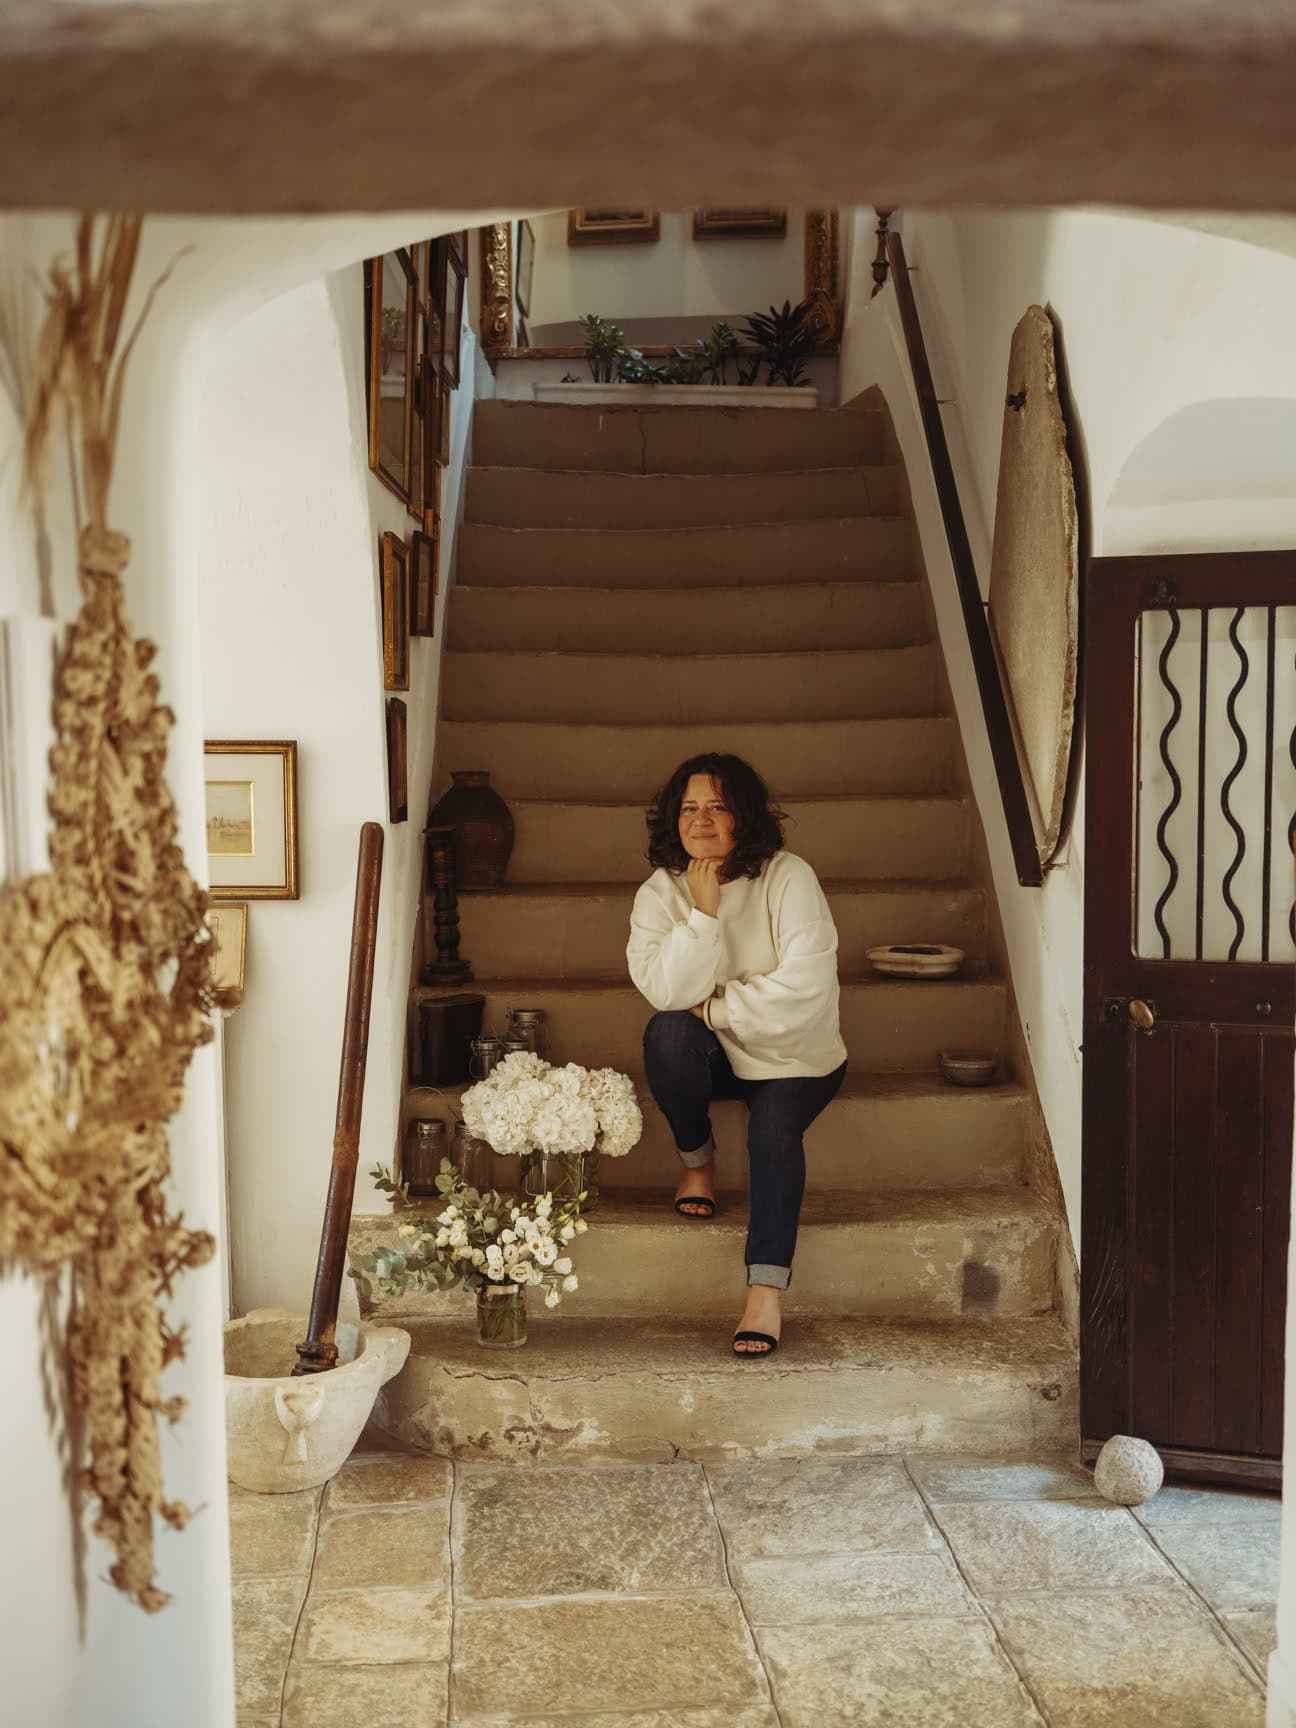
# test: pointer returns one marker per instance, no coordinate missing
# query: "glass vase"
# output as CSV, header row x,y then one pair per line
x,y
589,1179
425,1147
556,1173
501,1316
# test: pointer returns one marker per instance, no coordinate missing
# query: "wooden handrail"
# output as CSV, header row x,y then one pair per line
x,y
1003,745
319,1349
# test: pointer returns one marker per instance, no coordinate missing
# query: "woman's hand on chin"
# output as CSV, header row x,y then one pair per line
x,y
704,884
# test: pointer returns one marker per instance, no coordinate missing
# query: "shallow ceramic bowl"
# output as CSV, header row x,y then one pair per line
x,y
916,960
968,1067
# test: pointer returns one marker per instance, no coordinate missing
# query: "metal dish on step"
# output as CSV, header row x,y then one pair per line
x,y
968,1067
916,960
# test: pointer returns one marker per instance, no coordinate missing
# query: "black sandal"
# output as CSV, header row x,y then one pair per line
x,y
754,1338
696,1200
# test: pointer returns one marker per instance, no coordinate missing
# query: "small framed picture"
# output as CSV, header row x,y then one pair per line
x,y
739,224
391,297
228,924
433,423
397,761
456,281
423,578
612,227
395,612
525,266
251,819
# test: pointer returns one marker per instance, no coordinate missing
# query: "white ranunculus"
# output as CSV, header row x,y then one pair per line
x,y
545,1254
571,1282
508,1235
567,1232
564,1265
581,1226
552,1298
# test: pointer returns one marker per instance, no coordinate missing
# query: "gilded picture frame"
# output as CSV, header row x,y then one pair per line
x,y
749,224
395,582
251,789
526,249
391,306
456,287
609,227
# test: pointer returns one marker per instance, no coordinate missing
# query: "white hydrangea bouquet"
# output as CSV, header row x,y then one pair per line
x,y
481,1242
557,1120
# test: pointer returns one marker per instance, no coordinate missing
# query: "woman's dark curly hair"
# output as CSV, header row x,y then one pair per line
x,y
758,824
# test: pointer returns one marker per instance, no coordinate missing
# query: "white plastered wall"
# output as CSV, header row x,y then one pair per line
x,y
74,1652
674,277
1155,320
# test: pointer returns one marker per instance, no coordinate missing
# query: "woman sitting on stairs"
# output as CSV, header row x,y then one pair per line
x,y
732,941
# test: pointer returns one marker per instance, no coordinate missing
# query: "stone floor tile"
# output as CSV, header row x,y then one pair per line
x,y
844,1586
1048,1545
395,1545
319,1695
1117,1659
674,1716
265,1618
1256,1630
632,1654
376,1626
1176,1505
894,1674
390,1478
271,1534
1233,1565
242,1721
561,1530
800,1506
948,1480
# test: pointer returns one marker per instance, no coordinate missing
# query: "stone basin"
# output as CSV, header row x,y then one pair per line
x,y
284,1434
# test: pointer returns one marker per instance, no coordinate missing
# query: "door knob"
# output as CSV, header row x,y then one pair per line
x,y
1141,1015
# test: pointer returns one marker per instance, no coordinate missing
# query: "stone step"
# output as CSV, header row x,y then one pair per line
x,y
569,498
801,759
889,1025
925,1256
697,440
861,548
882,1133
579,930
654,621
689,689
874,838
657,1388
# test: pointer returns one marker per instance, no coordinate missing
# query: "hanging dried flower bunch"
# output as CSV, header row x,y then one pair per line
x,y
104,961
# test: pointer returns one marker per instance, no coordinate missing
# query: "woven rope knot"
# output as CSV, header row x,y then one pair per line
x,y
104,552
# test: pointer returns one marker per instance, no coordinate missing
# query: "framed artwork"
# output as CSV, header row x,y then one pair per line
x,y
525,266
228,925
391,300
435,455
418,473
456,283
251,819
608,227
739,224
397,761
424,547
395,612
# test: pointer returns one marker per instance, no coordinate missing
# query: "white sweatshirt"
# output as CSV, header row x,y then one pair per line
x,y
766,968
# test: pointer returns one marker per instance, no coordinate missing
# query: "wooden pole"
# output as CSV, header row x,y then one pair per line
x,y
319,1351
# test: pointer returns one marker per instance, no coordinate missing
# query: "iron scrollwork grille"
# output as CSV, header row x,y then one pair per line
x,y
1216,789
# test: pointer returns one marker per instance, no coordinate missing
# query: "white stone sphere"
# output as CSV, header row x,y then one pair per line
x,y
1128,1471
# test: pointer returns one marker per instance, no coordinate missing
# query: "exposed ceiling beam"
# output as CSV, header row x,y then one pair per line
x,y
310,105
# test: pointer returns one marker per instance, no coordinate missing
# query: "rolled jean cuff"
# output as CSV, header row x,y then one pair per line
x,y
778,1277
699,1156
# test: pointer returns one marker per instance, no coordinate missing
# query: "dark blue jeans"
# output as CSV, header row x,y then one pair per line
x,y
687,1068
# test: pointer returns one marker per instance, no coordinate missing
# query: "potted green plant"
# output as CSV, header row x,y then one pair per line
x,y
784,340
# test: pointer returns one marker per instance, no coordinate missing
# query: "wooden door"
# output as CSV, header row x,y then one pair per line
x,y
1190,937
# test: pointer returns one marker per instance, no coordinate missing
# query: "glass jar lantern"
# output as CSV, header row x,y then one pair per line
x,y
425,1147
531,1024
473,1159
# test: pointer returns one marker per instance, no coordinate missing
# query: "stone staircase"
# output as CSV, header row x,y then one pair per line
x,y
635,585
